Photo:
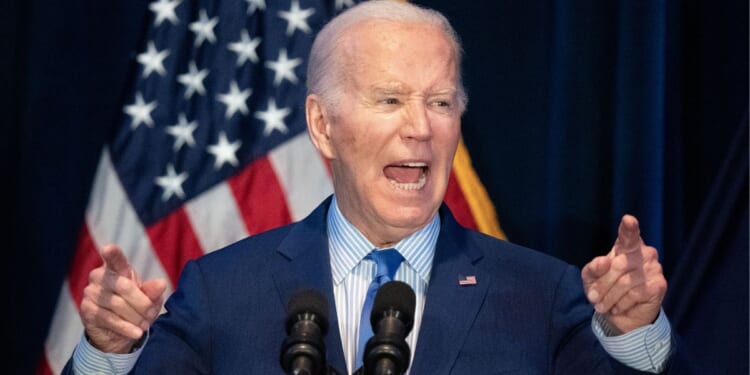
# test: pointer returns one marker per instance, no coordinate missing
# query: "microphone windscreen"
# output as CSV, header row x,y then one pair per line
x,y
394,296
310,302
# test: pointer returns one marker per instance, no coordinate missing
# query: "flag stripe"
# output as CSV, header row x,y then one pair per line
x,y
65,331
302,173
260,199
175,242
215,218
457,203
43,368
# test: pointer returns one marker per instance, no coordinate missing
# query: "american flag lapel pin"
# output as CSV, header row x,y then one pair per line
x,y
468,280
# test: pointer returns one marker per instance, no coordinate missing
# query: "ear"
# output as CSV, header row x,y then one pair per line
x,y
318,125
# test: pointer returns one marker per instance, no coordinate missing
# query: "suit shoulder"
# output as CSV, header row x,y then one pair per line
x,y
248,248
495,250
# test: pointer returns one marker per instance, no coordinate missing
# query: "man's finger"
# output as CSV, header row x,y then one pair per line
x,y
595,269
95,317
154,288
116,304
628,236
115,260
591,273
622,287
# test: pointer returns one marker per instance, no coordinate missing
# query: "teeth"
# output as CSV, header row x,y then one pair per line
x,y
414,165
410,185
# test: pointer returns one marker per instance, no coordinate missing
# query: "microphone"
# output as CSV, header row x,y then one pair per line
x,y
392,319
303,350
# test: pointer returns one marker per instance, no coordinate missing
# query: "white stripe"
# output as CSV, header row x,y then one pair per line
x,y
111,219
215,218
302,174
65,331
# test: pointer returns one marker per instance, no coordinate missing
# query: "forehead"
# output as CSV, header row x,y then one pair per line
x,y
390,35
394,47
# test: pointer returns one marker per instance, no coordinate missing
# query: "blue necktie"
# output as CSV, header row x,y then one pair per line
x,y
386,262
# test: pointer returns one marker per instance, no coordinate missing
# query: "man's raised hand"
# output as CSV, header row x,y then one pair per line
x,y
627,286
117,309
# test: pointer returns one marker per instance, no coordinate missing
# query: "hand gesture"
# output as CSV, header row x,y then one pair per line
x,y
627,285
117,309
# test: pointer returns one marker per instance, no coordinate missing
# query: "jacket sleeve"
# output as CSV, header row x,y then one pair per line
x,y
576,349
180,340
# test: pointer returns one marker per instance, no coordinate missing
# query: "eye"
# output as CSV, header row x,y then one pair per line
x,y
390,101
442,105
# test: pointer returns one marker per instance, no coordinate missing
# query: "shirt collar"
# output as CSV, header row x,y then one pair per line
x,y
348,245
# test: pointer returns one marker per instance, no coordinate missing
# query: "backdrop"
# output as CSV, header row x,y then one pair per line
x,y
579,112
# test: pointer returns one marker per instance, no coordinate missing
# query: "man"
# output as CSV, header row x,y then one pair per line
x,y
384,106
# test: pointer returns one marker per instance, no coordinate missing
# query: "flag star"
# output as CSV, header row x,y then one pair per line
x,y
224,151
193,80
296,18
171,183
340,4
164,10
283,68
204,28
273,117
182,132
235,100
140,111
253,5
245,48
153,60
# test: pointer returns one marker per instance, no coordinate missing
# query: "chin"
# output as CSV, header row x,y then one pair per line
x,y
412,216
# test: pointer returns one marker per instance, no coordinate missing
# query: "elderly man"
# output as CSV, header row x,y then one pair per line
x,y
385,107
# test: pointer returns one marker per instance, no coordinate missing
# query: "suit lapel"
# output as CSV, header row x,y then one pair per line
x,y
306,264
450,308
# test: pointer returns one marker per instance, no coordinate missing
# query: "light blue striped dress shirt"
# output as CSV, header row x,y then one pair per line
x,y
645,349
352,274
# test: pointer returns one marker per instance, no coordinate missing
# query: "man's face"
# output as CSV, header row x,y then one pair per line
x,y
393,133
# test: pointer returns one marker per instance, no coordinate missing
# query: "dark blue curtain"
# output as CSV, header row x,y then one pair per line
x,y
579,112
582,111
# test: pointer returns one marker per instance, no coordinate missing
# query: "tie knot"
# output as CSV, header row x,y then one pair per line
x,y
386,263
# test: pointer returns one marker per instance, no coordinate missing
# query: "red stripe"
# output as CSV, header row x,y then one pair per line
x,y
42,367
85,259
456,201
174,242
260,197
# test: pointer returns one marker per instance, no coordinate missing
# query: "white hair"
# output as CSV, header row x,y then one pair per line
x,y
325,69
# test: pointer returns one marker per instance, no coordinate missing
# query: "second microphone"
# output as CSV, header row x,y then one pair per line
x,y
392,319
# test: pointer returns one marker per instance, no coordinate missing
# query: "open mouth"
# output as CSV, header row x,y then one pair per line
x,y
407,176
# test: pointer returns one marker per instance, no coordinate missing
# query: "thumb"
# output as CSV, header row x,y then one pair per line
x,y
154,288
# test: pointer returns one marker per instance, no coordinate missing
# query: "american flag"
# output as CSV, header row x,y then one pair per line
x,y
212,146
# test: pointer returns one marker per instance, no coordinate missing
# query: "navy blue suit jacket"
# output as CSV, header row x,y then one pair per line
x,y
527,313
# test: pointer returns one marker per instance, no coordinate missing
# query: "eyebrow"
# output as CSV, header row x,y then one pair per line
x,y
400,88
389,88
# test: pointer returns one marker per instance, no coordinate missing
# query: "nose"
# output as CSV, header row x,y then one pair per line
x,y
417,126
